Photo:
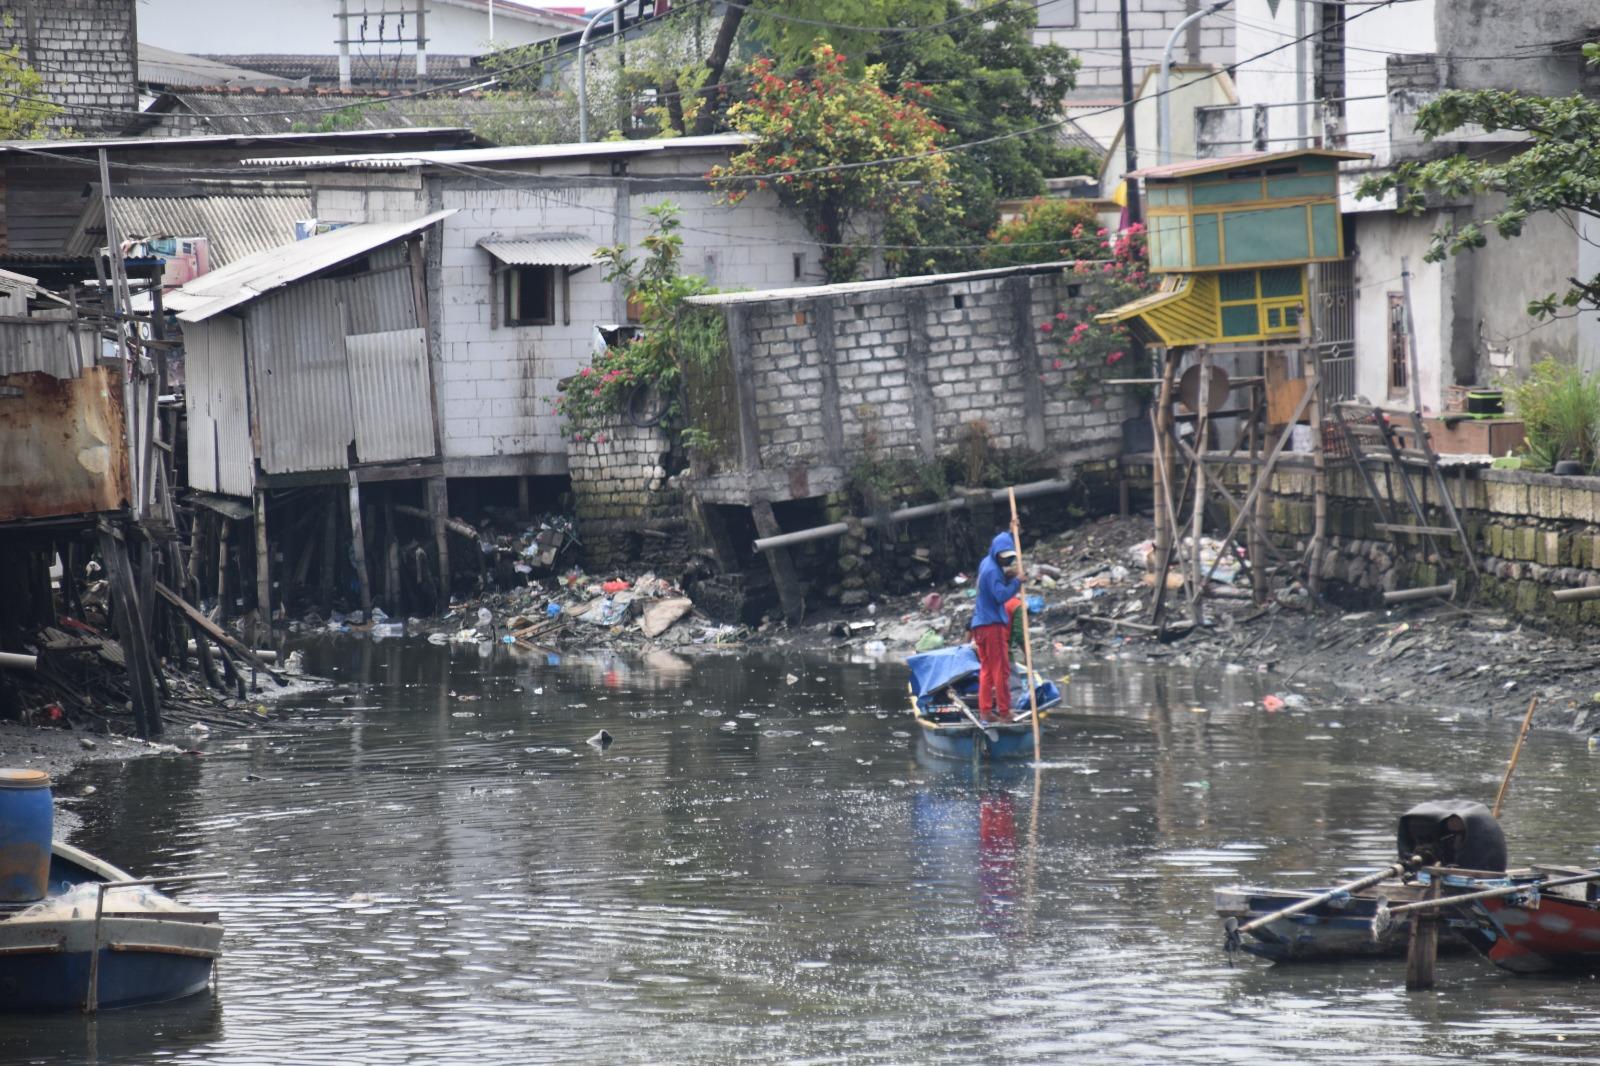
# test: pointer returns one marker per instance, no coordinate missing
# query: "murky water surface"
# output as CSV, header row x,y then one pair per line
x,y
432,866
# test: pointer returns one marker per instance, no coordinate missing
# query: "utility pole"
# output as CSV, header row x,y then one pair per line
x,y
419,36
1130,147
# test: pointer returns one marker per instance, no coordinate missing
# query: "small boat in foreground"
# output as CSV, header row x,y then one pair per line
x,y
100,924
1347,924
944,700
1340,928
1540,928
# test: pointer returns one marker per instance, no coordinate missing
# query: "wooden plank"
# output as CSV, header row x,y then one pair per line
x,y
358,541
216,633
1437,531
131,630
783,571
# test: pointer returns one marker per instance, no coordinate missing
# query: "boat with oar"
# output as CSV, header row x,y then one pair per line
x,y
944,700
1303,925
76,932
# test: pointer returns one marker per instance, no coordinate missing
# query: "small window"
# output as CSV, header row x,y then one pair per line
x,y
530,296
1399,361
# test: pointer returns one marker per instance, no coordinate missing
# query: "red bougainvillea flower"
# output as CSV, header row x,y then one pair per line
x,y
1113,359
1058,364
1046,327
1061,316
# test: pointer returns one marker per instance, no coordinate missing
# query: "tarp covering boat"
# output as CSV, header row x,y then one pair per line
x,y
1457,833
933,672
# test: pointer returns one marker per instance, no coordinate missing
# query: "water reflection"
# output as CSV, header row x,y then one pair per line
x,y
430,864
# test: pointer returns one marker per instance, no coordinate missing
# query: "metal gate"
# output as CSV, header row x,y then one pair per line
x,y
1333,327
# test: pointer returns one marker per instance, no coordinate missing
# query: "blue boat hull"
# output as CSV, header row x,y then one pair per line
x,y
60,981
1338,929
1011,742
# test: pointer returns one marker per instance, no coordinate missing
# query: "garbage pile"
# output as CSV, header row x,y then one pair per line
x,y
568,610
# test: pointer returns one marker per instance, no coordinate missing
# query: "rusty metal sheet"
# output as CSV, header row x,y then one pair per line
x,y
63,445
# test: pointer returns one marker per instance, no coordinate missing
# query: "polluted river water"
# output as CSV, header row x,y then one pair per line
x,y
429,864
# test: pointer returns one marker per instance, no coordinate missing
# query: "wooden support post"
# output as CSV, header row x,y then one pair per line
x,y
391,575
263,564
1163,455
131,632
783,572
1319,479
1255,526
1202,427
1423,951
358,542
438,513
522,496
224,527
330,552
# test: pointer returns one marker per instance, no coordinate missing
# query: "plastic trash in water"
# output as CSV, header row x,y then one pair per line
x,y
929,641
508,639
388,629
552,609
1272,703
875,647
1035,604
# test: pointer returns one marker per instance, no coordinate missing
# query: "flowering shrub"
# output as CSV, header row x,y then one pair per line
x,y
1082,347
812,136
1045,231
669,333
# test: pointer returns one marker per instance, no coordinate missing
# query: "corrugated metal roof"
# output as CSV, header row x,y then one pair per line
x,y
526,153
235,225
1193,167
158,66
250,277
542,251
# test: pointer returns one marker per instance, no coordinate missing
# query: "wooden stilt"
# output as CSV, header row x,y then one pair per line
x,y
1255,533
224,528
1319,481
1423,950
131,631
1166,519
263,564
358,542
522,496
330,552
782,566
438,512
1202,427
391,577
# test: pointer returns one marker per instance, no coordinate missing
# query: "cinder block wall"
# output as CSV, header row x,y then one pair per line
x,y
619,481
844,373
87,53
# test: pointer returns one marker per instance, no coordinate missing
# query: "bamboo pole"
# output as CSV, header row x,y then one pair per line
x,y
1516,752
1027,641
1319,462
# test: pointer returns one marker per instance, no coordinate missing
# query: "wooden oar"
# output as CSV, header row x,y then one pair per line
x,y
1516,750
993,735
1235,931
1384,915
1027,642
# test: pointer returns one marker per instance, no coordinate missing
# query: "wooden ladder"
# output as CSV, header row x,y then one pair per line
x,y
1396,442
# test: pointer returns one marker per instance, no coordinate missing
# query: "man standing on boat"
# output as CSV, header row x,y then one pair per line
x,y
998,581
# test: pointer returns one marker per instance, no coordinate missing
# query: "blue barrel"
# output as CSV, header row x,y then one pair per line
x,y
25,827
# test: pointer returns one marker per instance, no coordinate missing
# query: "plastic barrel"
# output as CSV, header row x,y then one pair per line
x,y
25,827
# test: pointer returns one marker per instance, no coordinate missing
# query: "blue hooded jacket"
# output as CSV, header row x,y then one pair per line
x,y
994,588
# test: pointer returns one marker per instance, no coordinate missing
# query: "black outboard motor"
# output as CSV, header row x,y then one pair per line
x,y
1457,833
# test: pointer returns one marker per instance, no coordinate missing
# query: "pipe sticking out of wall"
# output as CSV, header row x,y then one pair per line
x,y
927,510
13,661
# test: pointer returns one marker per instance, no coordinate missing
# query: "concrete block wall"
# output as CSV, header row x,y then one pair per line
x,y
1091,29
839,374
1530,533
498,383
87,53
619,481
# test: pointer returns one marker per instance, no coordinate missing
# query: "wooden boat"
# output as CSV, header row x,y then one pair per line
x,y
1541,929
944,689
1341,928
102,939
1352,924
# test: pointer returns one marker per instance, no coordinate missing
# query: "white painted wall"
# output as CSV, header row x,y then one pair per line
x,y
1278,78
307,27
496,383
1384,239
1192,87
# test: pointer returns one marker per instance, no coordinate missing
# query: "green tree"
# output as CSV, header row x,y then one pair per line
x,y
984,77
1557,171
25,110
852,160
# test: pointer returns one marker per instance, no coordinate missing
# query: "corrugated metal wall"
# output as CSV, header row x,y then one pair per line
x,y
221,458
336,360
45,344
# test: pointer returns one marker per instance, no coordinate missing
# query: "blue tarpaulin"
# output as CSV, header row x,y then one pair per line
x,y
933,670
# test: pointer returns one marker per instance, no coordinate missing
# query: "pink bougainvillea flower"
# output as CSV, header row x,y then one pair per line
x,y
1061,316
1058,364
1113,359
1046,327
601,439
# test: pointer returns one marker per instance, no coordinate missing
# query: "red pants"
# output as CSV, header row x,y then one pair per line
x,y
994,669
